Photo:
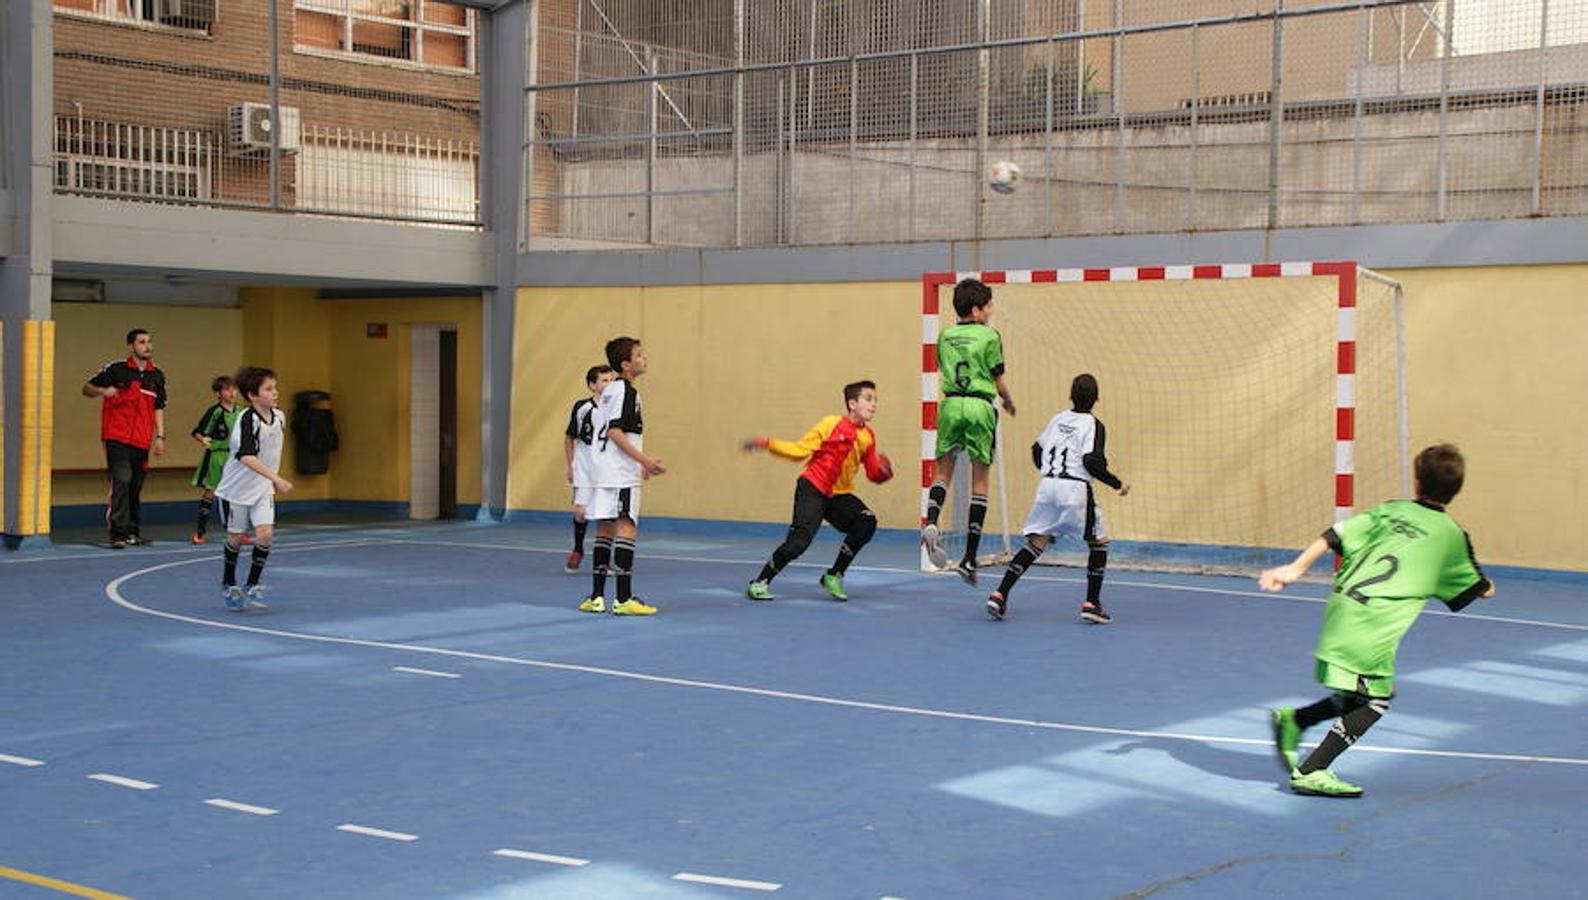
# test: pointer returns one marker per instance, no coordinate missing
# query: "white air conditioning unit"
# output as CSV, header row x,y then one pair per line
x,y
248,128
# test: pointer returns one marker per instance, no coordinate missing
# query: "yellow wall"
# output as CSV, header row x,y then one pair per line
x,y
726,362
313,345
1493,355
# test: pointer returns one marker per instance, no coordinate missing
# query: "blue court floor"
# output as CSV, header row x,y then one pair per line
x,y
424,713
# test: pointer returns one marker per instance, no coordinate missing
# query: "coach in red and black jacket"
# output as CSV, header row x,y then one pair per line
x,y
131,423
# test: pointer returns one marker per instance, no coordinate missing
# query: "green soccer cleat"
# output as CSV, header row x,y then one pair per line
x,y
1287,736
1322,783
632,607
593,605
759,590
834,585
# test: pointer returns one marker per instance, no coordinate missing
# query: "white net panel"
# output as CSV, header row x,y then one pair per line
x,y
1219,398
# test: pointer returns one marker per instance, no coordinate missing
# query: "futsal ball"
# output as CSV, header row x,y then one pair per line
x,y
884,470
1003,176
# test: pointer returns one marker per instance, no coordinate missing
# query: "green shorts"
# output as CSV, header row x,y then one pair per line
x,y
208,473
1342,679
969,424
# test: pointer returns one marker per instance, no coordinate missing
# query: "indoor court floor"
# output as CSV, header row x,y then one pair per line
x,y
422,712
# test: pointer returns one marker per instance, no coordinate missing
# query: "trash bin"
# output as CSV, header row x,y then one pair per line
x,y
313,432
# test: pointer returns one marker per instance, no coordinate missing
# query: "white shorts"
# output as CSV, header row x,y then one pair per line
x,y
613,503
581,496
1064,506
239,517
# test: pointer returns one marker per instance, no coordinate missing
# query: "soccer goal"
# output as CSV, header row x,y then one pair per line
x,y
1248,406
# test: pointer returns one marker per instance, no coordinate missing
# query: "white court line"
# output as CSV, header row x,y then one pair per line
x,y
431,672
242,807
1183,588
119,781
378,832
113,591
184,550
540,857
20,760
726,882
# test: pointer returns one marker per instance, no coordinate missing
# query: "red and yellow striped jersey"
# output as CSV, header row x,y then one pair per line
x,y
836,448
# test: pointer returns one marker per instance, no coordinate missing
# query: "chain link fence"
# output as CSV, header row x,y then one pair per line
x,y
721,123
359,108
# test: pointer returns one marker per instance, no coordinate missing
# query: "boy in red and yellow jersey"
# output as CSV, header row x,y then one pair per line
x,y
836,448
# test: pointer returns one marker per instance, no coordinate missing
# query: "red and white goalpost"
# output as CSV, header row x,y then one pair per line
x,y
1146,330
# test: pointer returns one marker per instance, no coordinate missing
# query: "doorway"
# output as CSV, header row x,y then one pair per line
x,y
433,421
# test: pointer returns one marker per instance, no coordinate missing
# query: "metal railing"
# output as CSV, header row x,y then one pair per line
x,y
822,123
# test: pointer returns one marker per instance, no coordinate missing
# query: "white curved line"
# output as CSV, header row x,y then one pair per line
x,y
113,591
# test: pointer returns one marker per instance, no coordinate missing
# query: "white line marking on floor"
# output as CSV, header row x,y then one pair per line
x,y
242,807
431,672
1153,585
208,553
113,591
378,832
727,882
540,857
119,781
20,760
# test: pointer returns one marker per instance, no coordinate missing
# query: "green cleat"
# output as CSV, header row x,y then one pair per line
x,y
1322,783
1287,736
834,585
759,590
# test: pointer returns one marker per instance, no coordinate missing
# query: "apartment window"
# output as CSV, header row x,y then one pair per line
x,y
418,31
193,15
127,160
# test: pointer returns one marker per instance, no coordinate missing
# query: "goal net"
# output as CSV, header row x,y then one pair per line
x,y
1247,406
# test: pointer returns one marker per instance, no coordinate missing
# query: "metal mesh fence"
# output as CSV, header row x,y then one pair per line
x,y
794,122
359,108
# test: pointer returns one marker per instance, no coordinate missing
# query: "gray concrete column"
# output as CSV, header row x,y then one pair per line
x,y
503,64
26,100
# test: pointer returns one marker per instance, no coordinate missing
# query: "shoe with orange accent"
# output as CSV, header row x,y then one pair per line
x,y
198,538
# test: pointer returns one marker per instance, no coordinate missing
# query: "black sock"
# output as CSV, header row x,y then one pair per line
x,y
978,515
768,572
256,562
846,555
1096,565
623,566
205,505
229,568
1343,734
599,564
578,535
934,501
1017,567
1322,711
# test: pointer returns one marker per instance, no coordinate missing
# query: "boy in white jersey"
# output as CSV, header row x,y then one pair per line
x,y
618,464
1070,455
249,483
579,437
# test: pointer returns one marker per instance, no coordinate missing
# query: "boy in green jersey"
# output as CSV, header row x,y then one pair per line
x,y
213,432
970,368
1392,559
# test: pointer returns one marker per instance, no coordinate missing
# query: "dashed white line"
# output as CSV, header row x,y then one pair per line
x,y
378,832
242,807
119,781
540,857
727,882
431,672
20,760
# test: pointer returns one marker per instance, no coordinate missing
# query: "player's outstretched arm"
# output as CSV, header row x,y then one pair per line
x,y
1276,578
752,444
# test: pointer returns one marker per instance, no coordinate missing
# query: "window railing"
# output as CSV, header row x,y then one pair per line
x,y
193,15
127,160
